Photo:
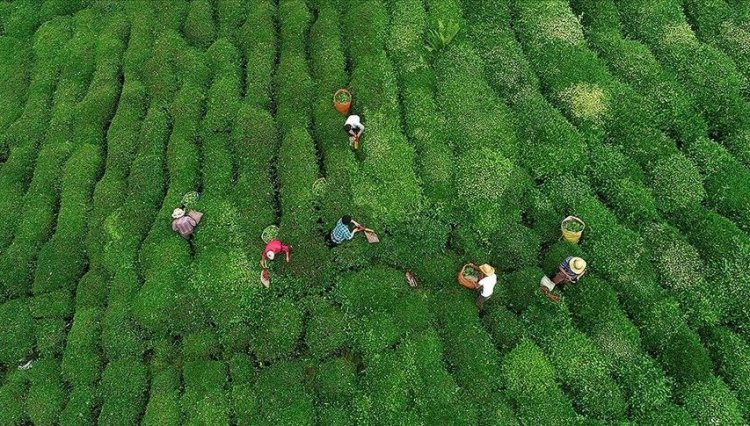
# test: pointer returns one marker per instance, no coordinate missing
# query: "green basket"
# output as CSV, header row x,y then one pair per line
x,y
270,233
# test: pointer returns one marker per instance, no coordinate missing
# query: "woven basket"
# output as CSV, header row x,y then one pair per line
x,y
342,107
467,282
571,236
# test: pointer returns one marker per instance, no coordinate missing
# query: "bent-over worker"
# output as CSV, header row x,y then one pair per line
x,y
354,128
344,230
571,270
184,223
273,248
486,285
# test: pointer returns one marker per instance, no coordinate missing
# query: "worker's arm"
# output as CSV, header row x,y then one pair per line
x,y
287,250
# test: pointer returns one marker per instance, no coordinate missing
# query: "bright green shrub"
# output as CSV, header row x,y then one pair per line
x,y
333,415
16,68
163,404
199,27
727,182
399,246
223,96
490,186
523,288
712,401
325,333
284,399
17,333
364,40
80,406
682,272
205,397
123,387
46,396
171,15
276,333
294,20
231,15
121,337
81,361
386,399
532,390
336,381
257,39
504,327
677,184
293,91
667,415
92,290
731,356
55,304
200,346
23,20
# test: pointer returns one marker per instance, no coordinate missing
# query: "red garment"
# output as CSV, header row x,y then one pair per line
x,y
276,246
185,224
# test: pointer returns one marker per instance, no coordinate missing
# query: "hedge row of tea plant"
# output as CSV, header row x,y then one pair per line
x,y
707,73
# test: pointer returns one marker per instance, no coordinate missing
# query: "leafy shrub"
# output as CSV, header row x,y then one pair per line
x,y
17,333
530,381
50,336
12,397
284,400
523,288
336,381
199,27
677,184
123,387
325,332
163,404
504,327
668,415
46,395
257,39
79,409
81,361
294,21
712,401
730,354
204,400
275,333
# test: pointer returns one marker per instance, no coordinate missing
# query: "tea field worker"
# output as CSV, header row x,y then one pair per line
x,y
571,270
354,128
184,223
486,285
273,248
344,230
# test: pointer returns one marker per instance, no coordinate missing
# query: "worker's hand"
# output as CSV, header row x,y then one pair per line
x,y
263,263
287,257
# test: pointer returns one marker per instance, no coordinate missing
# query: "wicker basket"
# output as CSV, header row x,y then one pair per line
x,y
572,236
467,282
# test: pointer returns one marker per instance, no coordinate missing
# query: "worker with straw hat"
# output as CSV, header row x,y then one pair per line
x,y
486,285
184,222
571,270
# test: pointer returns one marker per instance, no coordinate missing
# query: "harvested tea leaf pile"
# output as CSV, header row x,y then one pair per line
x,y
486,125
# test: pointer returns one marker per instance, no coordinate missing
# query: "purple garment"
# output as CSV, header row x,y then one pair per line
x,y
184,225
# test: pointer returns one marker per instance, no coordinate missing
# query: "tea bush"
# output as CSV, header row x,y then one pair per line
x,y
123,390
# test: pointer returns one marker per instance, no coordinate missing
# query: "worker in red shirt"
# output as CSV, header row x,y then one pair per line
x,y
273,248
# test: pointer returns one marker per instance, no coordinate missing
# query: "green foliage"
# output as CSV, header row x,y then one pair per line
x,y
123,392
199,27
285,400
712,401
276,332
325,333
440,37
205,399
17,333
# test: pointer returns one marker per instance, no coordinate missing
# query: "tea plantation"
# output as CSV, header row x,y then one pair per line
x,y
633,115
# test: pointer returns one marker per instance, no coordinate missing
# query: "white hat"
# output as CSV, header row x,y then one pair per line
x,y
270,254
577,265
178,213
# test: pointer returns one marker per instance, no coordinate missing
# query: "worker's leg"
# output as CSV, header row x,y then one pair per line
x,y
480,301
559,278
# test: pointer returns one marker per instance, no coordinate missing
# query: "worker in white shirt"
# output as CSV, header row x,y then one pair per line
x,y
354,128
486,285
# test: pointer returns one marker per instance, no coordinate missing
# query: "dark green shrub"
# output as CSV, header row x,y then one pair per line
x,y
294,20
231,15
285,400
368,39
712,401
17,333
80,407
12,398
205,398
731,356
46,396
199,27
200,346
326,330
667,415
276,332
530,380
504,327
224,94
677,184
257,39
124,385
163,406
55,304
81,361
523,288
336,381
245,404
121,337
293,88
50,336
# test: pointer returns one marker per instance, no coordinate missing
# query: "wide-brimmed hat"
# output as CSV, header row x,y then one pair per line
x,y
270,254
577,265
178,213
487,269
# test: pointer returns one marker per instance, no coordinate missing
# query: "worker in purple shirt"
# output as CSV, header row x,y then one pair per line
x,y
184,223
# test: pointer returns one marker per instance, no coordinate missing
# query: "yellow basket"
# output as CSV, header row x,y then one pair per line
x,y
571,236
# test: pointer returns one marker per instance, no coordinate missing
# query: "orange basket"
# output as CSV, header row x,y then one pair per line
x,y
471,284
342,107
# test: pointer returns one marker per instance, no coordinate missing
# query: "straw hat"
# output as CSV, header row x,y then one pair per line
x,y
487,269
177,213
577,265
270,254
